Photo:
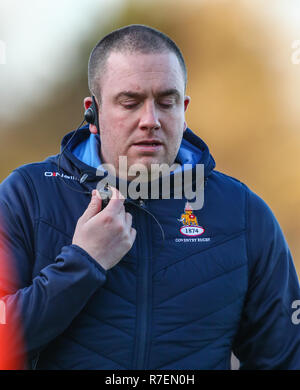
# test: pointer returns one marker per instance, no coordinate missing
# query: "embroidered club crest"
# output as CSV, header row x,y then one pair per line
x,y
190,223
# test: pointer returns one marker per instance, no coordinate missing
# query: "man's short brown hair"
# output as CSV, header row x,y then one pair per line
x,y
135,38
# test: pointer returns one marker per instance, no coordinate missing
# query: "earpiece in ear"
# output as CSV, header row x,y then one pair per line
x,y
91,114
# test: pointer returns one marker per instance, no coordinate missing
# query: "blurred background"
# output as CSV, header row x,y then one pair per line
x,y
243,60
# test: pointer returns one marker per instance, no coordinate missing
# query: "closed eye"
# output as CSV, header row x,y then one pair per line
x,y
164,105
130,106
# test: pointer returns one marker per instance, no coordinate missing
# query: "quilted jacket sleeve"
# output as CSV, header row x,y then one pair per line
x,y
48,303
268,338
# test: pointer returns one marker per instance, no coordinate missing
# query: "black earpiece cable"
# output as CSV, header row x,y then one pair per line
x,y
58,163
90,116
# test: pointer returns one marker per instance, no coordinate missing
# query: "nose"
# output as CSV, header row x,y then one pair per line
x,y
149,117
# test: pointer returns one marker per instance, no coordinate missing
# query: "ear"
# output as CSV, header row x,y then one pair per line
x,y
87,102
186,102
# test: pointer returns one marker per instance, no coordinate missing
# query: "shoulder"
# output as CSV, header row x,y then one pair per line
x,y
236,200
226,182
226,194
29,173
32,170
22,186
234,187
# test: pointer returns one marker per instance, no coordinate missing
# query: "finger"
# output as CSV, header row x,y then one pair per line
x,y
132,235
93,208
116,203
128,219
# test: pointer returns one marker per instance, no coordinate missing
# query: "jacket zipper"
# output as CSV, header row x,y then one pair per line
x,y
143,298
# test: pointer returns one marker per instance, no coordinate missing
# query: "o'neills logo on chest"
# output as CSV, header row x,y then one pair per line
x,y
190,224
56,174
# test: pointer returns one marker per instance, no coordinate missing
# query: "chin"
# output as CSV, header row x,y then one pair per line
x,y
149,162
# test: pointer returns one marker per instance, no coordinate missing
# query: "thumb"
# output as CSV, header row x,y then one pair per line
x,y
93,208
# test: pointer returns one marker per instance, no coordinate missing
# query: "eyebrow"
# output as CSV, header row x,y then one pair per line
x,y
137,95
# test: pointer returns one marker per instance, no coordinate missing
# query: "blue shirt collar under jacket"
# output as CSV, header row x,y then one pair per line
x,y
87,151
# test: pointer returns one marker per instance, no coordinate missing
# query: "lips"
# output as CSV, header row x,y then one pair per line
x,y
148,142
148,145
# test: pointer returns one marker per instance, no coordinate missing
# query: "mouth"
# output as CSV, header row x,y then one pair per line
x,y
150,145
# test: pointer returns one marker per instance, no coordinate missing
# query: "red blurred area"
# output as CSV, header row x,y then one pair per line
x,y
11,339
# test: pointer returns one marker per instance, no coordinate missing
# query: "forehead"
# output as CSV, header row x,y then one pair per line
x,y
142,72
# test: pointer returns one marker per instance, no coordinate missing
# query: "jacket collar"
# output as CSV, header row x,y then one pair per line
x,y
80,157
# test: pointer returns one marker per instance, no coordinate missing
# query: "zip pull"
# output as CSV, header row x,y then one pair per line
x,y
142,202
83,178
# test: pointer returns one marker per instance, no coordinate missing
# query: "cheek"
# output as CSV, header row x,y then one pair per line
x,y
114,123
113,136
175,130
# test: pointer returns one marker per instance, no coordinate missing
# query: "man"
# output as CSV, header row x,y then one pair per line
x,y
144,283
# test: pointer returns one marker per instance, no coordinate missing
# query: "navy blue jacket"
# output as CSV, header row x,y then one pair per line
x,y
173,302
